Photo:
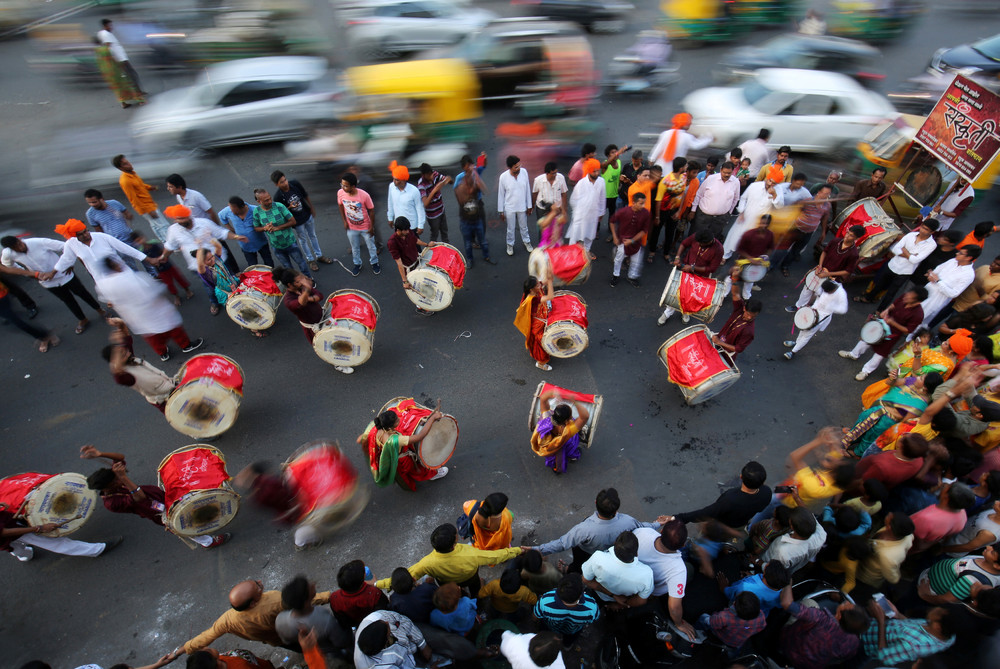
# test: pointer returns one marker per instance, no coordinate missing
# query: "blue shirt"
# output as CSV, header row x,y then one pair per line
x,y
793,196
769,598
407,203
566,619
460,621
111,220
244,226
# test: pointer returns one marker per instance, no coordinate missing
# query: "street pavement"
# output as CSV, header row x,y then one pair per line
x,y
152,593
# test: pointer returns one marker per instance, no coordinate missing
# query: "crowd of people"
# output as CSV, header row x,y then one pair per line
x,y
900,511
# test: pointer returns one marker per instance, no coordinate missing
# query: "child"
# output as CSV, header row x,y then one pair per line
x,y
551,226
506,594
734,626
871,501
743,174
215,272
537,573
165,271
453,612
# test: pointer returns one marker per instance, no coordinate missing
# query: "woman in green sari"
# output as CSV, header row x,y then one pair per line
x,y
116,77
907,397
392,456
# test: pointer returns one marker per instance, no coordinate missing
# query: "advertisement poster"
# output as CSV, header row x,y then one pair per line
x,y
963,129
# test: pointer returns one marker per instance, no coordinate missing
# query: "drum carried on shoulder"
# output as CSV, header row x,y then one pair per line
x,y
38,498
326,487
255,300
567,265
694,364
692,294
199,497
565,332
346,336
440,273
439,445
594,404
207,398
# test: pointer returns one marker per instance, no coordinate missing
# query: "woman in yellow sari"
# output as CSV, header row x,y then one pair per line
x,y
941,360
117,78
491,522
557,435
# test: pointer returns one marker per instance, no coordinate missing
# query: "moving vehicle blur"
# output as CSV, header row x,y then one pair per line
x,y
873,20
242,102
969,59
645,67
807,110
695,21
804,52
919,94
597,16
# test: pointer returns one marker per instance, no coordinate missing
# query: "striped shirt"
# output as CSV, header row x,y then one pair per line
x,y
435,207
906,641
111,220
947,576
566,619
409,640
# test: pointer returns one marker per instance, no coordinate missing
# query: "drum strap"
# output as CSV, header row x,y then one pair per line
x,y
315,327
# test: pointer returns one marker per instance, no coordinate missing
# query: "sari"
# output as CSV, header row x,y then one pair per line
x,y
531,319
116,78
931,360
389,463
491,540
896,405
557,449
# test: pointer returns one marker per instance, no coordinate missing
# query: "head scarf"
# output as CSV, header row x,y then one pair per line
x,y
177,211
591,164
776,174
678,122
71,228
399,171
961,343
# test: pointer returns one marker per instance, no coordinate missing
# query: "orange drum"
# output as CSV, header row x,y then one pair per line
x,y
439,445
199,497
567,265
207,398
564,396
63,499
440,273
325,485
565,332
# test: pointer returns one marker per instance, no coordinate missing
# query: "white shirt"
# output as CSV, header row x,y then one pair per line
x,y
199,236
409,640
406,203
790,196
669,571
141,301
117,50
514,647
42,256
514,193
828,304
620,578
685,142
101,246
918,249
549,193
587,204
756,151
196,202
715,196
951,202
795,553
952,280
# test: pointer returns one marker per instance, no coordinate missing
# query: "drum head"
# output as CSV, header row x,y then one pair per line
x,y
63,499
878,244
330,519
753,273
806,318
813,283
564,339
203,511
873,332
258,268
670,290
202,408
439,445
432,288
539,265
345,343
250,310
710,388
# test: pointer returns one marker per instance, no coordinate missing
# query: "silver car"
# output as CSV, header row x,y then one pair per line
x,y
243,102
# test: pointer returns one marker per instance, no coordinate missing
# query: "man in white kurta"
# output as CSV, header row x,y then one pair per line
x,y
91,248
832,300
948,280
760,197
677,142
587,203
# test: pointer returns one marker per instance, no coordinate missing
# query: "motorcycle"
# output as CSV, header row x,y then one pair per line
x,y
645,68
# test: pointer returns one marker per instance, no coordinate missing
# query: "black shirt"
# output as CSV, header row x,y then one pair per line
x,y
734,508
295,198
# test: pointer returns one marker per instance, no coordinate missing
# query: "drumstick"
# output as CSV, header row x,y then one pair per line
x,y
63,523
438,408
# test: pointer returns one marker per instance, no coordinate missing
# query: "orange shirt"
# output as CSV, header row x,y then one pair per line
x,y
644,188
971,239
692,190
137,192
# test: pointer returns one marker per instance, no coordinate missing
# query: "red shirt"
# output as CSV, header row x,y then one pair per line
x,y
888,468
908,317
271,492
738,330
695,254
121,500
630,223
404,248
755,243
351,608
310,313
838,260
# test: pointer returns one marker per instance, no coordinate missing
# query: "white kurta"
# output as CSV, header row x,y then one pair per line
x,y
952,280
587,204
829,304
754,203
101,246
141,301
685,142
41,256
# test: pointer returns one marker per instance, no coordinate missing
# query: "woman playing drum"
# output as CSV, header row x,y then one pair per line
x,y
532,316
393,456
556,437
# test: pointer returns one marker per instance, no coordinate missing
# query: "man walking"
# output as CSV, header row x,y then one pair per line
x,y
274,219
629,226
588,205
716,198
200,207
677,142
138,192
91,248
295,198
907,253
469,189
550,188
404,200
107,37
832,301
514,202
430,184
815,214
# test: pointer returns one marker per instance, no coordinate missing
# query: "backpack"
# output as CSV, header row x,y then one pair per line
x,y
464,522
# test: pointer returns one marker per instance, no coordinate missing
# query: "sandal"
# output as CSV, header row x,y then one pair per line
x,y
81,328
214,309
544,367
593,257
259,334
649,260
862,299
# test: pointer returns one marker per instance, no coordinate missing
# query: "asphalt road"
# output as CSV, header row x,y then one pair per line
x,y
152,593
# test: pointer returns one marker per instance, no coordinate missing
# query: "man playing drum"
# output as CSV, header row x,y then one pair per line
x,y
738,331
754,248
907,253
557,435
20,539
838,262
903,317
305,303
832,301
135,373
701,254
532,317
392,456
403,248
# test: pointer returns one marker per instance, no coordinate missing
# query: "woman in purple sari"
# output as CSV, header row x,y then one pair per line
x,y
557,435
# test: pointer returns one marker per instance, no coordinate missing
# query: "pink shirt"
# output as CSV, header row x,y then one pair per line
x,y
933,524
356,208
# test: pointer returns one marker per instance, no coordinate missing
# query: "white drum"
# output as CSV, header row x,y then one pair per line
x,y
753,273
875,331
63,499
671,297
565,332
594,403
250,307
699,369
199,497
207,398
440,273
813,282
806,318
347,335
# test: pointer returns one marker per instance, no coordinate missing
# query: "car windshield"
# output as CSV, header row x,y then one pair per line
x,y
989,47
472,47
754,92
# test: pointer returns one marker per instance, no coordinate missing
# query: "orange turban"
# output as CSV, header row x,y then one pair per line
x,y
961,342
681,120
399,171
776,174
71,228
591,164
177,211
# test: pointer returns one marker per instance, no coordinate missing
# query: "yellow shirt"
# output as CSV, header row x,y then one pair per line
x,y
503,602
461,564
924,430
988,283
137,192
815,488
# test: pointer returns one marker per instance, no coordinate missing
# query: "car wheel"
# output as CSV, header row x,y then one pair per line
x,y
608,26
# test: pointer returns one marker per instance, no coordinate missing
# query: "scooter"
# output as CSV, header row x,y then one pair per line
x,y
645,68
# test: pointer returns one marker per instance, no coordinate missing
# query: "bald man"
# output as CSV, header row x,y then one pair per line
x,y
251,617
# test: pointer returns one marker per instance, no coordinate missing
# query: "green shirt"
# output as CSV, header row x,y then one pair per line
x,y
612,178
277,215
950,576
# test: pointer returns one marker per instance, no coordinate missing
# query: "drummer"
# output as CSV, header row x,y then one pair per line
x,y
838,262
701,254
403,247
907,254
532,317
833,300
393,457
557,435
738,331
305,303
20,539
135,373
120,494
903,317
753,248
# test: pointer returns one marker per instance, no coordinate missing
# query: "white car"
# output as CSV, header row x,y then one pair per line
x,y
810,111
383,29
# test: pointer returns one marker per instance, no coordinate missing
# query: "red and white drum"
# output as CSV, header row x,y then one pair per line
x,y
346,336
440,273
696,366
325,484
63,499
207,398
255,300
806,318
199,497
439,445
881,230
567,265
692,294
594,403
565,332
